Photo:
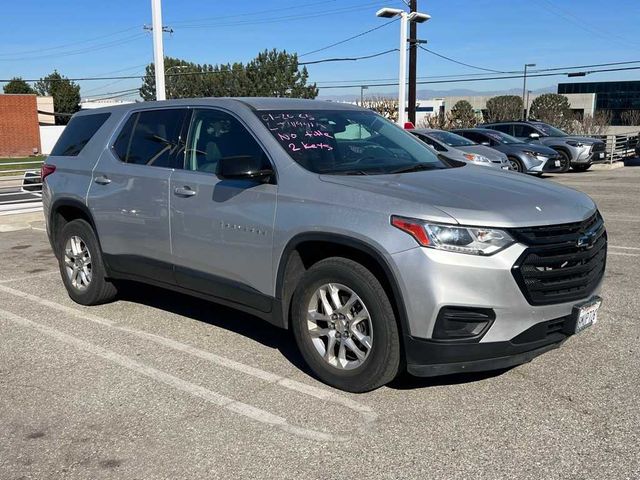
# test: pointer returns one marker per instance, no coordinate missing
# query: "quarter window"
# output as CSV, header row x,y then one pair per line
x,y
213,135
77,134
504,128
153,138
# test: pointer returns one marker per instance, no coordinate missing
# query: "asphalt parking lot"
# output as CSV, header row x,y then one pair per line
x,y
160,385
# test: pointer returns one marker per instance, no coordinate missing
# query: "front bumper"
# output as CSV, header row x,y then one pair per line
x,y
543,164
433,279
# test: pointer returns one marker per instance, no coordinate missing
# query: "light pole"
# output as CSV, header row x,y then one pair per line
x,y
524,89
526,106
405,18
362,89
158,50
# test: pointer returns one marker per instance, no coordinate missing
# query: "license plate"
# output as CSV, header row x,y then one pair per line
x,y
587,315
557,163
601,155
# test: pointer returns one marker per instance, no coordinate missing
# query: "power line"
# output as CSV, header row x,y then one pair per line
x,y
458,62
506,77
361,34
346,59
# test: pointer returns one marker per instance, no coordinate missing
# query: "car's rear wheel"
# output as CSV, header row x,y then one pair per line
x,y
582,167
515,164
345,326
81,266
565,161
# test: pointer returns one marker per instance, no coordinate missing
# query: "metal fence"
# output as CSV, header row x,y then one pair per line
x,y
21,186
619,146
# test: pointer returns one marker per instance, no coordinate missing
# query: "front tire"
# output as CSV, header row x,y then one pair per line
x,y
81,265
515,165
345,326
565,161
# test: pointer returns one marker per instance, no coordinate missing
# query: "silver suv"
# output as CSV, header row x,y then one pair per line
x,y
331,221
575,151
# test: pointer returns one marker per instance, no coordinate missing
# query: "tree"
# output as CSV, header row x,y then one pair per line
x,y
463,116
552,108
504,108
18,85
271,74
386,107
630,117
596,124
65,93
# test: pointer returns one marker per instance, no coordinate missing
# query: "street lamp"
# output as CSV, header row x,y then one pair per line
x,y
362,89
405,18
526,106
525,113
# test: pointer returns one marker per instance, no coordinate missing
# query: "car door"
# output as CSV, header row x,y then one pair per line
x,y
129,195
523,132
222,229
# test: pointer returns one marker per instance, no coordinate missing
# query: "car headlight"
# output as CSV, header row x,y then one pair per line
x,y
453,238
574,143
530,153
474,157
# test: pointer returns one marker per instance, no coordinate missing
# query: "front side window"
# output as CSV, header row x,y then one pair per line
x,y
77,134
499,137
214,135
152,137
523,130
550,131
347,142
504,128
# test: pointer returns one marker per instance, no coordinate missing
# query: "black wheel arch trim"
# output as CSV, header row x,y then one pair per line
x,y
73,203
347,241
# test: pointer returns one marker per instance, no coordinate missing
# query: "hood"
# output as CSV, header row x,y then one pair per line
x,y
532,147
577,138
490,153
477,196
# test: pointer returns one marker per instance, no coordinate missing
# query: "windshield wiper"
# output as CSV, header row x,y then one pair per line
x,y
347,172
415,168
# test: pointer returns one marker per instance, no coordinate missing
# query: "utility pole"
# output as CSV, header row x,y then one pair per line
x,y
158,50
524,90
413,62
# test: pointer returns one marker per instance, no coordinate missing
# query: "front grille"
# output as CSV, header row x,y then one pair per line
x,y
563,262
550,165
598,147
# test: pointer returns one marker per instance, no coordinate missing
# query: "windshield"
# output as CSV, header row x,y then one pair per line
x,y
449,138
501,137
550,131
348,142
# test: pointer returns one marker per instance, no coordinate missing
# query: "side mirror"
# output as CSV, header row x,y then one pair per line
x,y
248,167
534,136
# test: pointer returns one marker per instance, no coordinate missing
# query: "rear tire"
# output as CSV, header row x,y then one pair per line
x,y
565,161
81,265
351,341
582,167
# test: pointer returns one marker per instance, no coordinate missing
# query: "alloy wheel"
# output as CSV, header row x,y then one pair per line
x,y
340,326
77,263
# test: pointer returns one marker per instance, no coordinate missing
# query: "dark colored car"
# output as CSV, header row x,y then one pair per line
x,y
523,157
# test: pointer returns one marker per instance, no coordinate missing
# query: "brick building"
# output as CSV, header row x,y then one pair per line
x,y
19,126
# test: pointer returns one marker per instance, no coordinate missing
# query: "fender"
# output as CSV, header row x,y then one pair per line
x,y
346,241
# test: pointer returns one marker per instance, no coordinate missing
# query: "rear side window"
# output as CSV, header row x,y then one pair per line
x,y
78,133
153,138
505,128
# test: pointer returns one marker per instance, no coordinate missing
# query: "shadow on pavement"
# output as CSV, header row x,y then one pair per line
x,y
409,382
632,162
216,315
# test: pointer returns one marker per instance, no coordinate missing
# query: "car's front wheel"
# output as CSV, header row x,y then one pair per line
x,y
81,266
565,161
515,165
345,326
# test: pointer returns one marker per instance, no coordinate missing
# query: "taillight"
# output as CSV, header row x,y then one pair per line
x,y
46,170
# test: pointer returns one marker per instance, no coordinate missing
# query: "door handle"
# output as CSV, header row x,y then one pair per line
x,y
184,191
102,180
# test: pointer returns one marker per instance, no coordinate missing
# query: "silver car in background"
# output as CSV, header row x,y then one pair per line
x,y
456,147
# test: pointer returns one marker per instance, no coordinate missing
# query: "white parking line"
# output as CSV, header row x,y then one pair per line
x,y
240,408
625,254
367,413
30,276
624,248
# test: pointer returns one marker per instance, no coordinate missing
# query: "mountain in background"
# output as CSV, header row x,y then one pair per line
x,y
430,94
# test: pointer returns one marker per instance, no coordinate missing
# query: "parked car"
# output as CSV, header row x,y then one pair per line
x,y
523,157
330,220
455,147
577,152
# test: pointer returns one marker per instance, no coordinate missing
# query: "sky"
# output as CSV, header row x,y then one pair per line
x,y
83,38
